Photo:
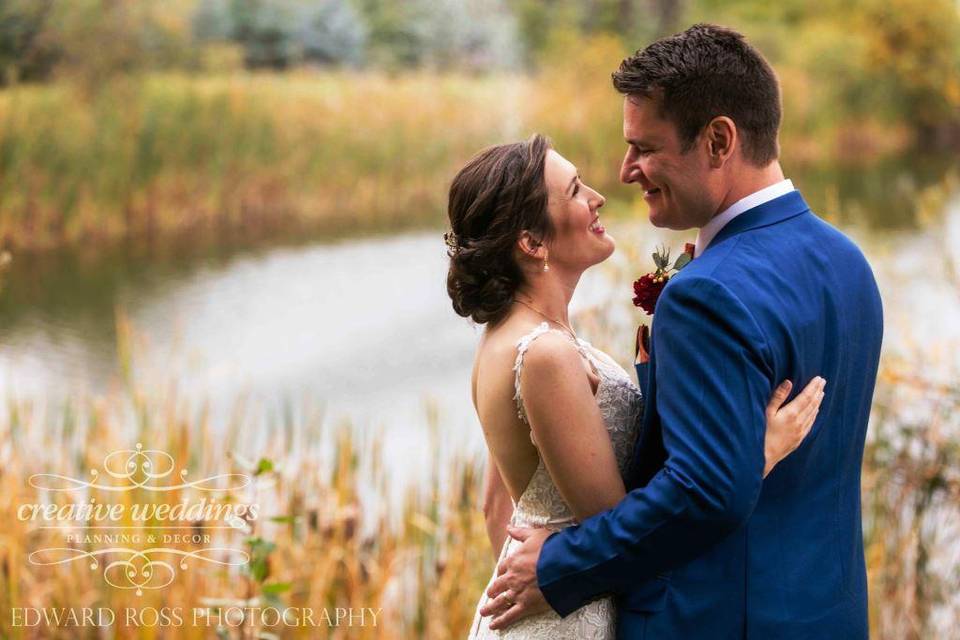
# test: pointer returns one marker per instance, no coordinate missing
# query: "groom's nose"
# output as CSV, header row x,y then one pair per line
x,y
630,169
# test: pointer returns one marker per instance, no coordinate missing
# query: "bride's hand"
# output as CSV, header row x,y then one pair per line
x,y
788,424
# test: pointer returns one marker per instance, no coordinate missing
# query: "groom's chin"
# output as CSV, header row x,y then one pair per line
x,y
658,220
665,222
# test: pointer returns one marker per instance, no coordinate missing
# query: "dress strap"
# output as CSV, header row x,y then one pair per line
x,y
523,344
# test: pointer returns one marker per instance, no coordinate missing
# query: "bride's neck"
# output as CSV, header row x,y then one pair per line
x,y
550,293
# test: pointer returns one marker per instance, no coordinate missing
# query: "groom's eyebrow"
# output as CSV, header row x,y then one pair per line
x,y
634,142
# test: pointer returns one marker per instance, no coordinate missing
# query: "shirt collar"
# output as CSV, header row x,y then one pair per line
x,y
710,230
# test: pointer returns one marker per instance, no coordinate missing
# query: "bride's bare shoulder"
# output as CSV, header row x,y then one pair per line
x,y
497,349
501,341
497,353
493,378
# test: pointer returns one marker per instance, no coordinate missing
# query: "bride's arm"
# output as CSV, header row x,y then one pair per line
x,y
568,427
497,506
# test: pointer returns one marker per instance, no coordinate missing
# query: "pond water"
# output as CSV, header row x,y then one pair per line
x,y
362,328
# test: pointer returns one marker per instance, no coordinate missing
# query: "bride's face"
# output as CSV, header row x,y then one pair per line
x,y
580,240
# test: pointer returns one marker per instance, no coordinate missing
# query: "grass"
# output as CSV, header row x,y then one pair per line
x,y
214,159
251,155
315,545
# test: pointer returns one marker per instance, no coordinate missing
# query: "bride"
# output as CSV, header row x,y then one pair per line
x,y
560,418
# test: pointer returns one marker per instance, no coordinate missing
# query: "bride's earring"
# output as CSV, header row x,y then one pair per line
x,y
546,265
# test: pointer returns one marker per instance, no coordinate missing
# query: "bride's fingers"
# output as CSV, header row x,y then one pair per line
x,y
810,423
806,419
812,407
807,401
809,394
779,396
810,416
807,397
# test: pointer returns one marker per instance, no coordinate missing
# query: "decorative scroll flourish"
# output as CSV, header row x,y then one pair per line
x,y
138,469
138,569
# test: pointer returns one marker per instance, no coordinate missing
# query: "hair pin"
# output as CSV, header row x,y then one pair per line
x,y
452,242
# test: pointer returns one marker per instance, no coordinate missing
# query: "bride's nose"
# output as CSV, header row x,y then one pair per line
x,y
598,200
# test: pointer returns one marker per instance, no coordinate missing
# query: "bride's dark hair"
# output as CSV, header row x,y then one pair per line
x,y
497,195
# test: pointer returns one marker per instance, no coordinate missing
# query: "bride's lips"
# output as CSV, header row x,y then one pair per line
x,y
596,227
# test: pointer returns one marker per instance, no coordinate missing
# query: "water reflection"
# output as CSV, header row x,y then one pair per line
x,y
363,328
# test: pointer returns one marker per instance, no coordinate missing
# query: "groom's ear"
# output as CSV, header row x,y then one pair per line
x,y
721,139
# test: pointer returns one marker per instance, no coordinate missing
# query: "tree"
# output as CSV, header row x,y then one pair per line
x,y
25,54
333,33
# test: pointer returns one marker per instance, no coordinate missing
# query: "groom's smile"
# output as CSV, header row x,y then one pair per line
x,y
674,180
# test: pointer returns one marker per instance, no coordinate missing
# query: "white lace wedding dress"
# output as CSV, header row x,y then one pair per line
x,y
541,505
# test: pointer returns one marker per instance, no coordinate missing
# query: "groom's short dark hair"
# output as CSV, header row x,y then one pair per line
x,y
705,72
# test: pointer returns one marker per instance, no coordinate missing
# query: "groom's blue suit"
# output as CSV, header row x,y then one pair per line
x,y
702,546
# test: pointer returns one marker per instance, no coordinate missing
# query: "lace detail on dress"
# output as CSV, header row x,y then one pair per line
x,y
541,504
522,345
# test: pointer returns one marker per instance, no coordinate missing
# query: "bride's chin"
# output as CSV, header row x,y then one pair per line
x,y
604,256
610,249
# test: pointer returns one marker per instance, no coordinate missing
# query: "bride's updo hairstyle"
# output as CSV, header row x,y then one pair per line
x,y
497,195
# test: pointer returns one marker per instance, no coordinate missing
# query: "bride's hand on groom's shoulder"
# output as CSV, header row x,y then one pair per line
x,y
788,424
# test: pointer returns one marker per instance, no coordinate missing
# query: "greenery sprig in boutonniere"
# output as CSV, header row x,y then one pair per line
x,y
647,288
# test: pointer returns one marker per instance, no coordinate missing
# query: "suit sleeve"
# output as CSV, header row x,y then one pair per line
x,y
713,382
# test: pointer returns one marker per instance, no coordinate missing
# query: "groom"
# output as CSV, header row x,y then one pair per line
x,y
702,546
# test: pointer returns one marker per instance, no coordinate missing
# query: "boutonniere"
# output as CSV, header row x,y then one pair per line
x,y
647,289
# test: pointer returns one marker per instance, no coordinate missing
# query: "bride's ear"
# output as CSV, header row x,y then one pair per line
x,y
530,246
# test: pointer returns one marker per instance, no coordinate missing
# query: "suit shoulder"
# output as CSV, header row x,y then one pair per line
x,y
830,239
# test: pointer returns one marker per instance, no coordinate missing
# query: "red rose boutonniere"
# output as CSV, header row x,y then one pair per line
x,y
647,289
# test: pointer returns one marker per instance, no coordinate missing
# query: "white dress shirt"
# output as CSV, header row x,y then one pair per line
x,y
710,230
